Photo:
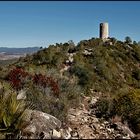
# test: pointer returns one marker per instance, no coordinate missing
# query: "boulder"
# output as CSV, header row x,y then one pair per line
x,y
41,125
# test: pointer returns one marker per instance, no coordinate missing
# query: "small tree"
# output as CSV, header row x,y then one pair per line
x,y
128,39
71,43
134,42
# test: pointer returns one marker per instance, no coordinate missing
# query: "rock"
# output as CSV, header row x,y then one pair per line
x,y
69,129
110,43
137,136
94,119
21,95
74,138
126,137
101,128
30,129
44,135
118,136
110,130
74,134
97,126
85,119
92,127
106,122
65,133
85,132
94,100
56,134
87,52
71,117
81,136
39,123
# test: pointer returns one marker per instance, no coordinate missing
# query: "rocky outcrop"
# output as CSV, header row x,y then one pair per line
x,y
87,51
41,126
70,58
68,63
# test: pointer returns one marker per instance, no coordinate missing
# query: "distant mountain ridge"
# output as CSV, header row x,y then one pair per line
x,y
27,50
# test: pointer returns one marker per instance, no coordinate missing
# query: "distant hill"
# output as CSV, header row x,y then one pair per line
x,y
27,50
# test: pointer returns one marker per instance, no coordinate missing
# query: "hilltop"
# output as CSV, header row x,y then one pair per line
x,y
55,79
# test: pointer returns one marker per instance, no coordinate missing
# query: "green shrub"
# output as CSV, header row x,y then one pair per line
x,y
104,106
82,73
136,74
137,53
125,104
128,39
12,113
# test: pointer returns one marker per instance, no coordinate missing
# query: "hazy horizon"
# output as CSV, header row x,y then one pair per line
x,y
41,23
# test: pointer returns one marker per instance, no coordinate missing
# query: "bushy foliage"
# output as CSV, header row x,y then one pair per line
x,y
20,79
128,39
83,75
12,113
136,74
17,78
57,106
51,57
46,81
137,53
125,104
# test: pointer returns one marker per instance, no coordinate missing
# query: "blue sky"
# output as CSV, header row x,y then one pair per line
x,y
40,23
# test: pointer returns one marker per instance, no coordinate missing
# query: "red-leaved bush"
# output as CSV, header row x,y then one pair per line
x,y
18,76
46,81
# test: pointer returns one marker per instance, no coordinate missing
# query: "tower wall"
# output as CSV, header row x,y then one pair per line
x,y
104,30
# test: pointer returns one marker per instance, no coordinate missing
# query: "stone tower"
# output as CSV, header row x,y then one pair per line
x,y
104,31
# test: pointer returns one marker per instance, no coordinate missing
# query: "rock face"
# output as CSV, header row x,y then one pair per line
x,y
41,126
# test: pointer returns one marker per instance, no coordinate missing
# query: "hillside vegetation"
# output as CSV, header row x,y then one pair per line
x,y
56,77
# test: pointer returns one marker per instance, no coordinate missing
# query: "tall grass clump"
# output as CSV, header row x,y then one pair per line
x,y
12,113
